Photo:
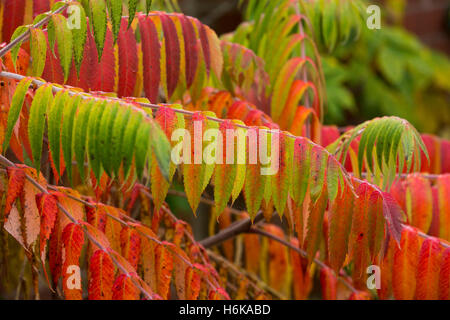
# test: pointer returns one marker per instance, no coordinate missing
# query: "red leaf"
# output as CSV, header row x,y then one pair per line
x,y
89,67
101,280
73,239
328,282
163,266
360,295
190,49
172,53
419,202
130,242
13,14
55,253
359,234
128,60
340,222
192,284
151,50
314,225
205,44
48,210
96,217
52,70
445,156
444,276
15,187
40,6
443,185
428,268
106,72
405,265
124,289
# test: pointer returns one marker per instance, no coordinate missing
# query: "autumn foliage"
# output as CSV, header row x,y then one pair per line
x,y
88,182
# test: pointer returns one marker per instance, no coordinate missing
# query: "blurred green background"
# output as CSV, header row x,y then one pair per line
x,y
391,71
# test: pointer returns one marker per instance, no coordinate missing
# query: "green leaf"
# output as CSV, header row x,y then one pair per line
x,y
129,141
79,38
382,140
241,154
99,23
15,50
333,173
54,119
132,4
38,47
120,123
161,148
142,148
319,160
79,139
64,43
36,122
15,109
301,170
282,180
329,28
105,133
372,134
93,137
67,131
148,6
209,167
115,14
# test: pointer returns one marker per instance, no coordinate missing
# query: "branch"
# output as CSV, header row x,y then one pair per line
x,y
405,175
26,35
5,162
232,231
303,253
257,283
124,223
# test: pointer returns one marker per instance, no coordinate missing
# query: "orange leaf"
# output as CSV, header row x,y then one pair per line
x,y
444,276
340,222
73,239
419,202
328,282
130,242
124,289
15,187
278,259
405,265
101,280
443,185
428,268
163,267
192,284
359,234
48,210
360,295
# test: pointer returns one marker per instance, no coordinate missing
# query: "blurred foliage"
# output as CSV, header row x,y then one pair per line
x,y
388,72
368,73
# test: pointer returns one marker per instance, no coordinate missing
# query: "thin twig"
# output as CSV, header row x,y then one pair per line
x,y
4,161
94,205
301,252
21,278
232,231
257,283
26,35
